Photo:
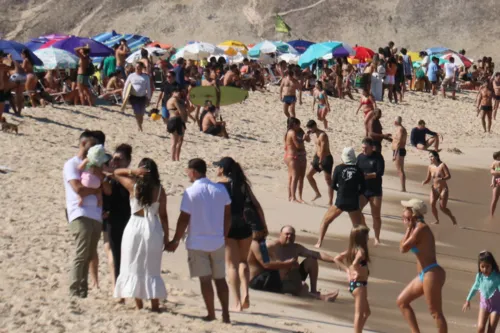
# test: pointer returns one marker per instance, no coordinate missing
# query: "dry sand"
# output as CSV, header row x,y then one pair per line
x,y
36,247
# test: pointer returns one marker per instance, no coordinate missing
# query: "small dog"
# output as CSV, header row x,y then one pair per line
x,y
8,127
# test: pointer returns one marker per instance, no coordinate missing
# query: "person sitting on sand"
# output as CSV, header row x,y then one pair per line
x,y
274,267
289,86
418,137
495,182
52,84
232,77
485,104
439,173
114,86
209,124
322,160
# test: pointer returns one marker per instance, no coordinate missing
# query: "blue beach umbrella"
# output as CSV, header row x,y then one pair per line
x,y
300,45
438,50
15,49
316,52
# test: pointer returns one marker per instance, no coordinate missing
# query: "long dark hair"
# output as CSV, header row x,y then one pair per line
x,y
237,176
27,54
435,154
488,258
146,185
358,239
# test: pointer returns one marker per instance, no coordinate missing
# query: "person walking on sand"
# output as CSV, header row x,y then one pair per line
x,y
141,92
354,261
487,282
85,221
485,104
495,182
430,280
239,237
84,72
349,182
322,160
399,151
144,237
288,93
439,173
372,164
321,100
121,55
206,211
295,159
451,70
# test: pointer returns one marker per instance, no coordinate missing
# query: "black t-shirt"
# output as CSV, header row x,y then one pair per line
x,y
376,127
168,89
372,164
117,204
349,182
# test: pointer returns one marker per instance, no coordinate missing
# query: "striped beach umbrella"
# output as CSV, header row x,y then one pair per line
x,y
53,58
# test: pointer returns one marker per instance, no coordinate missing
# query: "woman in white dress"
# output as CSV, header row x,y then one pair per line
x,y
144,237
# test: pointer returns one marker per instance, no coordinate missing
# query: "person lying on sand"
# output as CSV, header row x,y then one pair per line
x,y
287,275
418,137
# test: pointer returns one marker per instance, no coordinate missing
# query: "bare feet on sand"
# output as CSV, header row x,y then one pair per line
x,y
318,244
316,197
330,297
246,302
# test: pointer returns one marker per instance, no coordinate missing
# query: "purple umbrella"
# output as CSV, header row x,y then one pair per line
x,y
340,52
71,43
55,36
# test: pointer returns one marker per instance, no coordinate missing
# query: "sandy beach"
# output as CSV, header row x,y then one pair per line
x,y
36,247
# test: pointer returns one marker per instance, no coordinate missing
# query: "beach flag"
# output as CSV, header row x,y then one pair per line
x,y
281,26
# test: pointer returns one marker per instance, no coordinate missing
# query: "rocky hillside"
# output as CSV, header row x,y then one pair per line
x,y
414,24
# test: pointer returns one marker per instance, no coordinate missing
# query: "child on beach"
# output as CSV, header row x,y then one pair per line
x,y
90,167
355,262
495,181
488,284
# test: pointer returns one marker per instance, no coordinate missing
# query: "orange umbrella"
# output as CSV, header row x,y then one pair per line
x,y
160,45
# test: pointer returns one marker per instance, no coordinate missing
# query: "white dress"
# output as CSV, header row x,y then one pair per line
x,y
142,248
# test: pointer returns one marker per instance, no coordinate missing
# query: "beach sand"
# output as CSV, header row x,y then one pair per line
x,y
36,248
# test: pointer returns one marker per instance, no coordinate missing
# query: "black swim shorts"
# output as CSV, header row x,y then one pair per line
x,y
486,108
326,164
401,152
214,130
176,125
267,281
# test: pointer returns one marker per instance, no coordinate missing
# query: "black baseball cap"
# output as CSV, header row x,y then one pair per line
x,y
225,163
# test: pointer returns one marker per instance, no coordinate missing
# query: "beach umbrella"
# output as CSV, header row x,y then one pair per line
x,y
438,50
317,52
363,53
289,58
154,52
54,36
15,49
160,45
271,47
234,44
415,56
300,45
344,50
71,43
460,60
56,59
199,50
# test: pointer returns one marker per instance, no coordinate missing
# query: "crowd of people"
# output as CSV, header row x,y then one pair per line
x,y
225,224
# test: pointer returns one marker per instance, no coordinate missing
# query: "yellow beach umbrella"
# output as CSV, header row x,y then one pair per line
x,y
239,46
414,56
232,52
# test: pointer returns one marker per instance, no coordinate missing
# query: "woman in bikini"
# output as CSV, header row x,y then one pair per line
x,y
321,99
429,283
354,262
176,124
368,104
347,72
495,182
439,173
295,159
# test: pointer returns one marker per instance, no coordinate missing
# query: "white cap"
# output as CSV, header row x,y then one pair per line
x,y
348,155
416,205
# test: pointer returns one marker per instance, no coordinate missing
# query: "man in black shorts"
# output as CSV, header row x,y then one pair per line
x,y
375,131
349,182
322,161
209,125
372,164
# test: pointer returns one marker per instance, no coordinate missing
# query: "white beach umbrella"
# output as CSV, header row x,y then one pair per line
x,y
53,58
154,52
289,58
198,50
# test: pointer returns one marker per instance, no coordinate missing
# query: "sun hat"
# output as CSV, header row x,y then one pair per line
x,y
348,156
416,205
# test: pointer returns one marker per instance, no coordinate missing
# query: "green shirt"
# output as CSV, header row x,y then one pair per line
x,y
109,66
487,285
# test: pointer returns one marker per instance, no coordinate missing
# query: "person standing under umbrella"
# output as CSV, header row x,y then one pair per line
x,y
141,93
83,77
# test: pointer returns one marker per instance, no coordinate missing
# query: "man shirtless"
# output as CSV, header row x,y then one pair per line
x,y
322,161
83,77
231,78
121,55
284,271
485,104
209,125
496,89
399,151
288,87
114,86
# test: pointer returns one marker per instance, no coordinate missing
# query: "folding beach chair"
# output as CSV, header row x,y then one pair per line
x,y
274,79
158,78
